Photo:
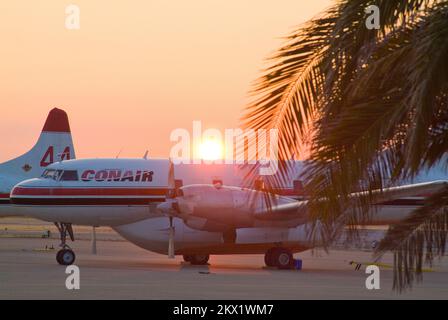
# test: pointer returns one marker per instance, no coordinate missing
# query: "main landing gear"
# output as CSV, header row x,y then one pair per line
x,y
279,257
65,256
197,259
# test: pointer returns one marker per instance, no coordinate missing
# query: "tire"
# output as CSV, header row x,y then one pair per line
x,y
65,257
187,258
199,259
58,256
283,258
268,261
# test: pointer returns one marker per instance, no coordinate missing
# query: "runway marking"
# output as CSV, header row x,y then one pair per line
x,y
358,265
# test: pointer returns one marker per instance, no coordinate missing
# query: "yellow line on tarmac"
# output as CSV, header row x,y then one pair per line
x,y
383,265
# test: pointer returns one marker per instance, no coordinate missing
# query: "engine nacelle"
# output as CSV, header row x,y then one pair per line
x,y
219,208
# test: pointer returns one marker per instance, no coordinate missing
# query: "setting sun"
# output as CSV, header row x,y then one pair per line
x,y
210,150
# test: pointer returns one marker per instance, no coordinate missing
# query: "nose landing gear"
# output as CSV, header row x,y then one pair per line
x,y
65,256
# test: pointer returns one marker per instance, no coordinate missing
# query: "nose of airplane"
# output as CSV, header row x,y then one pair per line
x,y
31,187
29,182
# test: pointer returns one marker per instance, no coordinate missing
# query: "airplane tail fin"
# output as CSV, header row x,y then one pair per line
x,y
54,144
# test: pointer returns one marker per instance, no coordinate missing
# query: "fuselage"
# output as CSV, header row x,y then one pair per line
x,y
124,194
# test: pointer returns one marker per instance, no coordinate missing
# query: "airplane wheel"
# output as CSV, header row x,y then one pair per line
x,y
282,258
199,259
58,256
268,258
187,258
65,257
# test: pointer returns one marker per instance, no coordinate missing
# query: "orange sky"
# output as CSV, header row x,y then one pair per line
x,y
136,69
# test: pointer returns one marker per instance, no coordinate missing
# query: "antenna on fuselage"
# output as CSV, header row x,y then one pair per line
x,y
118,154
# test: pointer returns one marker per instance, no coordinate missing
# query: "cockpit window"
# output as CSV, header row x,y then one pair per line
x,y
52,174
69,175
49,174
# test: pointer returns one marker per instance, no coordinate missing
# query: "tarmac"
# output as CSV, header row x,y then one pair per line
x,y
120,270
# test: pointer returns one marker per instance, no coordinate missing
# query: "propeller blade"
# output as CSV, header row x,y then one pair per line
x,y
171,240
169,208
171,179
165,207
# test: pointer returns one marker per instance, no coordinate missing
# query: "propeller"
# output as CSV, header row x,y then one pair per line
x,y
169,207
171,239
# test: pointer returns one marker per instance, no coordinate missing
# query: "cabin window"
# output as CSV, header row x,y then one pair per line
x,y
69,175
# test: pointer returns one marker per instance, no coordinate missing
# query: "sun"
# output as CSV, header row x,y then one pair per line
x,y
210,150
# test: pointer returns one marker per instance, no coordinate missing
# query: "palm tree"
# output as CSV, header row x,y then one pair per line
x,y
373,107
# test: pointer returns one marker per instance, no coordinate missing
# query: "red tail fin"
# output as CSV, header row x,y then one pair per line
x,y
54,144
57,121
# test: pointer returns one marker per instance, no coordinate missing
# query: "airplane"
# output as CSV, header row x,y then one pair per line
x,y
54,144
188,209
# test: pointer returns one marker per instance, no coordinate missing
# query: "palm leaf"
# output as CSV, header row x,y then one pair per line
x,y
370,101
417,240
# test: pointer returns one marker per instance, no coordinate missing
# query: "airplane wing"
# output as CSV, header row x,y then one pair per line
x,y
416,189
215,207
298,209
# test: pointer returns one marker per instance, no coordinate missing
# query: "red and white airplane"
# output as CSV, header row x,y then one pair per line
x,y
189,210
54,144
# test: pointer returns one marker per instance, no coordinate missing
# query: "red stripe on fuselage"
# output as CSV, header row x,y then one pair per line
x,y
112,191
21,191
59,201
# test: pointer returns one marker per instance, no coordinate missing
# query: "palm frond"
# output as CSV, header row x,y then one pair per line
x,y
370,140
286,96
417,241
373,104
288,91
